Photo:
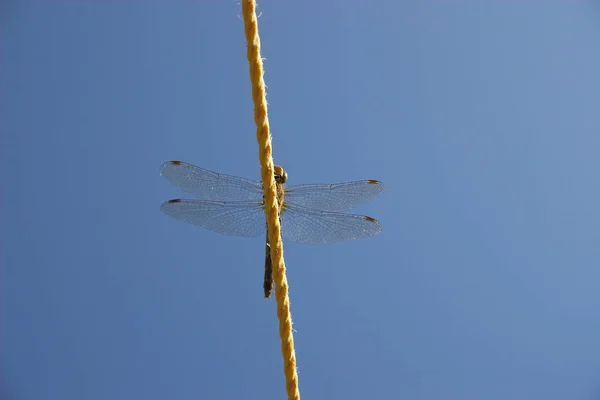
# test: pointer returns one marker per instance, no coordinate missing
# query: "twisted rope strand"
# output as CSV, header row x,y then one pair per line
x,y
263,137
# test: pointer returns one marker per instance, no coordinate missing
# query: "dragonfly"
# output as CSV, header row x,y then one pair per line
x,y
235,206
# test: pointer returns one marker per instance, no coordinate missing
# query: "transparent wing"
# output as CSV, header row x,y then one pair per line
x,y
208,185
310,226
334,197
234,218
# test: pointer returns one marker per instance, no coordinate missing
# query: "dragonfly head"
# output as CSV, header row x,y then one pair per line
x,y
280,174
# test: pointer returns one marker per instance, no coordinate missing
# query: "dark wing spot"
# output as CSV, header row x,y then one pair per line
x,y
370,219
174,201
373,182
176,162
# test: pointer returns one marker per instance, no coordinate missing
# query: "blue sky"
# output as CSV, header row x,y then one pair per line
x,y
481,117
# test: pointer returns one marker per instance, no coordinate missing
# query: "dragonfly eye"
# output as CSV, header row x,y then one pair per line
x,y
280,174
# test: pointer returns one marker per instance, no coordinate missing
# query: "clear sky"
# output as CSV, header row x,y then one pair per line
x,y
481,117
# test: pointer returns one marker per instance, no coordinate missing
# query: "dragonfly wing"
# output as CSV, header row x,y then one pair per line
x,y
334,197
233,218
310,226
209,185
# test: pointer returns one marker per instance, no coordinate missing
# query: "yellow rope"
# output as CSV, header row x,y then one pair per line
x,y
263,136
